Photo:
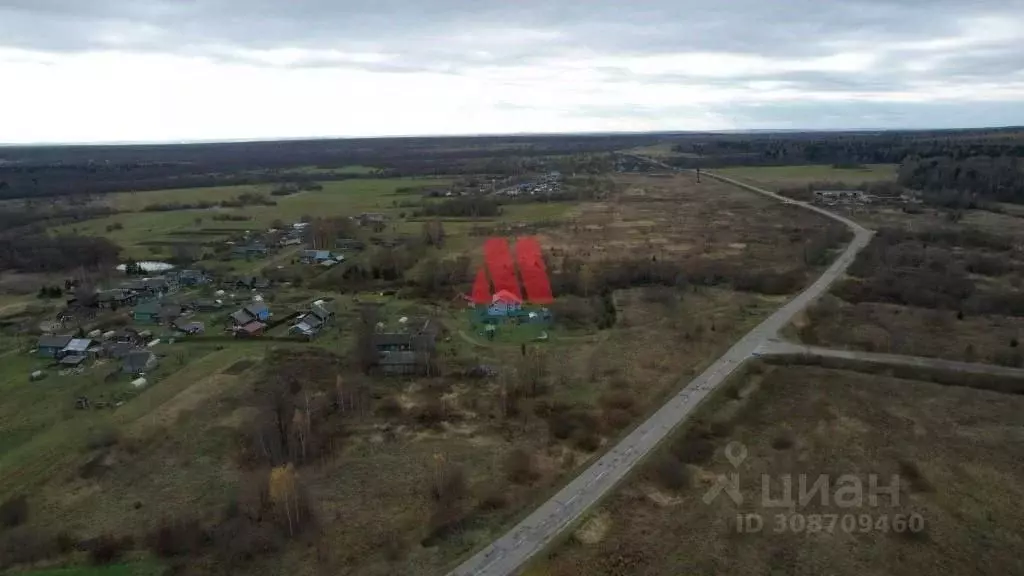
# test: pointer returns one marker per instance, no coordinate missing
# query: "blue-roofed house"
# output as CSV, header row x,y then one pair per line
x,y
258,310
319,256
77,347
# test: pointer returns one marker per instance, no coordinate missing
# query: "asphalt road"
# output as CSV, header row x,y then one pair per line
x,y
509,553
780,348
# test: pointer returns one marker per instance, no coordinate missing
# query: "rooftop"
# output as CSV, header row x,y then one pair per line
x,y
54,341
78,345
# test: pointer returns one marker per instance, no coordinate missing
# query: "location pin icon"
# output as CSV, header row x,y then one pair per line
x,y
735,453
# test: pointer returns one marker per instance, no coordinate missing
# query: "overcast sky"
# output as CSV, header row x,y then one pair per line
x,y
169,70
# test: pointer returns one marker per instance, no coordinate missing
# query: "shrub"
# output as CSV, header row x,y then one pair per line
x,y
621,400
722,428
784,441
14,511
588,441
23,545
450,485
520,467
912,472
672,473
106,548
65,543
176,538
564,421
494,500
390,407
617,418
237,541
104,437
694,450
430,413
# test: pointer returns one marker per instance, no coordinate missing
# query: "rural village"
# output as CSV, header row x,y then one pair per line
x,y
379,357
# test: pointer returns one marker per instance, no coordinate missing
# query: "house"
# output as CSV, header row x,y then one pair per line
x,y
50,346
117,350
128,336
77,347
319,309
840,197
206,306
187,326
161,285
309,325
504,303
349,244
139,361
192,277
421,338
148,287
248,251
147,312
318,256
115,298
372,220
400,363
249,321
240,318
258,310
72,360
385,342
169,313
254,328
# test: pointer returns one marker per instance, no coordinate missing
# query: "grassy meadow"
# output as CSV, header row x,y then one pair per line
x,y
776,177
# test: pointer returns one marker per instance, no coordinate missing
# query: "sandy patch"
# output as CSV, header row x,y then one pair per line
x,y
594,529
660,498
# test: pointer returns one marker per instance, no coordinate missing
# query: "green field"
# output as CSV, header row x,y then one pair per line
x,y
341,198
788,176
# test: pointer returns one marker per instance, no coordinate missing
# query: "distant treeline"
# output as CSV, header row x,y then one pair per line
x,y
956,181
43,253
82,170
846,149
245,199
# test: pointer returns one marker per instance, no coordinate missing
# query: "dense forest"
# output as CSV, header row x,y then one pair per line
x,y
70,170
55,171
962,181
945,164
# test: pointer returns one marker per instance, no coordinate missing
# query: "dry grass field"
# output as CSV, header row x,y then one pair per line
x,y
673,218
953,450
776,177
411,474
929,285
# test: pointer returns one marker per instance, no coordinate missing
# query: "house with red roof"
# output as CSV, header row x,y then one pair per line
x,y
504,303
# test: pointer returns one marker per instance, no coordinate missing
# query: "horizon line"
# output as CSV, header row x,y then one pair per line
x,y
484,135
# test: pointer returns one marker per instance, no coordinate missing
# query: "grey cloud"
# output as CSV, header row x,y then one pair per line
x,y
458,36
869,115
412,26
